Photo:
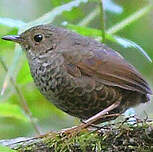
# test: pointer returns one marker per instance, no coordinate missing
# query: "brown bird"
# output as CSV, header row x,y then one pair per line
x,y
80,75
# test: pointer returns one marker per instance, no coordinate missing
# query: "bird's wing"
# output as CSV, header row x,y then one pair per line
x,y
108,67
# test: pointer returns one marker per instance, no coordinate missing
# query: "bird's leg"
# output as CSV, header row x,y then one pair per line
x,y
104,116
91,120
93,126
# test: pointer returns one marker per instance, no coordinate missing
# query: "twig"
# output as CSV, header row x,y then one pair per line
x,y
23,101
102,21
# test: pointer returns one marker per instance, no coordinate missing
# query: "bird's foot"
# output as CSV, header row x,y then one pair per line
x,y
70,132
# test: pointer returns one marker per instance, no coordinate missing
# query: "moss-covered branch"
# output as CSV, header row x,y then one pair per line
x,y
112,138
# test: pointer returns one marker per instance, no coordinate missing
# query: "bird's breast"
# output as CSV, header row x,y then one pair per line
x,y
48,74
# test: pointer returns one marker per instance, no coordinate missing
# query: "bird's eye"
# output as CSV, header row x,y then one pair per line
x,y
38,37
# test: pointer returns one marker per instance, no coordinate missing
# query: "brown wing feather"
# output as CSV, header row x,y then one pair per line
x,y
121,76
111,69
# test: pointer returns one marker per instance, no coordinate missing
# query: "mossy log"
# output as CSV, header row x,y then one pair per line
x,y
121,137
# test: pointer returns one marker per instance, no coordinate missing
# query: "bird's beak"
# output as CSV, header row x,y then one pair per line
x,y
14,38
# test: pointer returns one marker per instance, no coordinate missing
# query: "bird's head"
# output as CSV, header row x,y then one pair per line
x,y
36,40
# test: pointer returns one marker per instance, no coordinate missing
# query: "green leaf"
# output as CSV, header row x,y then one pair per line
x,y
11,22
6,149
86,31
50,16
59,2
12,111
74,15
128,44
24,75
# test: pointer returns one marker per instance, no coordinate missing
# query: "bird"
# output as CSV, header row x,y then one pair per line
x,y
79,75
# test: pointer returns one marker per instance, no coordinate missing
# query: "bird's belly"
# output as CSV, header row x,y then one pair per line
x,y
78,97
84,105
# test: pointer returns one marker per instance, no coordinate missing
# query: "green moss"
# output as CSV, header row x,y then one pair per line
x,y
112,138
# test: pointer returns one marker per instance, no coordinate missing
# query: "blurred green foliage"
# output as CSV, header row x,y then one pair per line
x,y
82,16
5,149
